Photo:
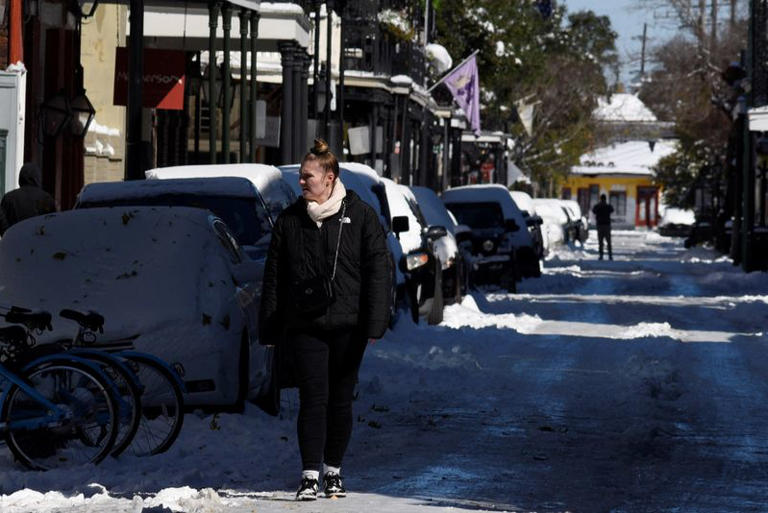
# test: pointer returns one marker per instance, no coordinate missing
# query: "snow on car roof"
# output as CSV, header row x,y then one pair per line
x,y
550,208
524,202
165,262
433,208
213,186
260,174
483,193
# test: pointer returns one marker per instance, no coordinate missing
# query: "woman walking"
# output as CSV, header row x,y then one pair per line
x,y
326,292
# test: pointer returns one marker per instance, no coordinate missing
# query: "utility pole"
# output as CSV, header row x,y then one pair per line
x,y
642,51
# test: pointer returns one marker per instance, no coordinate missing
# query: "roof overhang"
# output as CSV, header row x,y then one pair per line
x,y
169,25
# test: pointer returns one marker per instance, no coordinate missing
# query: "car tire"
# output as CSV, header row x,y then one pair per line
x,y
435,315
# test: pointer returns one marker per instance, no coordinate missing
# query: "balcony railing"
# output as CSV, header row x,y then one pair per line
x,y
369,47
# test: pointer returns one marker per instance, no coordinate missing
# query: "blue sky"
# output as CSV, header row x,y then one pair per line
x,y
627,21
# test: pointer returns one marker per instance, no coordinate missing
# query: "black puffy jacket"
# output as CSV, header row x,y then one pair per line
x,y
300,250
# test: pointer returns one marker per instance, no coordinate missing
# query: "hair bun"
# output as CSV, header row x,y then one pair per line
x,y
320,147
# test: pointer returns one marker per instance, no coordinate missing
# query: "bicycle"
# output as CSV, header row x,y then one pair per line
x,y
162,401
59,409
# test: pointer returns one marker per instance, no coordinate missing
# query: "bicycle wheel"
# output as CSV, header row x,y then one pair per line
x,y
85,435
127,385
162,405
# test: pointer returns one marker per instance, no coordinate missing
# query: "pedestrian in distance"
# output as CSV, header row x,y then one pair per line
x,y
29,200
325,294
603,211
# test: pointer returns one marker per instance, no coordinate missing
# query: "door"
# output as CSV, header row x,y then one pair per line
x,y
647,209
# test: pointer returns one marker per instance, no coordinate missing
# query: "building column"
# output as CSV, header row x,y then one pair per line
x,y
304,105
213,23
425,147
298,64
243,15
134,161
287,56
405,146
255,16
226,81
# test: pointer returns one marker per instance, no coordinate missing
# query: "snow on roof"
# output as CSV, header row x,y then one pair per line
x,y
261,175
218,186
628,158
622,107
401,80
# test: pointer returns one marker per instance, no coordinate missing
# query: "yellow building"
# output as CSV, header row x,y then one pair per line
x,y
623,172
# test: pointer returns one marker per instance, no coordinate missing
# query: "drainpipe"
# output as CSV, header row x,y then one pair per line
x,y
15,40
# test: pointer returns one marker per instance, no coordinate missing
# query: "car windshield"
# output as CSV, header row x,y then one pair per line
x,y
245,217
478,215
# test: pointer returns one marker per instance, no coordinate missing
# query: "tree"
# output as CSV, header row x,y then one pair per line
x,y
687,88
556,60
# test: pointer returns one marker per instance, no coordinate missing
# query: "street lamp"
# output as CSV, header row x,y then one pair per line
x,y
82,113
55,113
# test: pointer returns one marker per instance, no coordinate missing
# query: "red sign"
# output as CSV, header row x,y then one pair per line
x,y
163,78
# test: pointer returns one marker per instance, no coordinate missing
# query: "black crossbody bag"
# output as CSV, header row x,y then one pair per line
x,y
314,295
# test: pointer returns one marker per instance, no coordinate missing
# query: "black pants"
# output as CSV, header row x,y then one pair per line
x,y
326,366
604,234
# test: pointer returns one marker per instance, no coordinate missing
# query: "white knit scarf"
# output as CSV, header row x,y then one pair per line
x,y
320,211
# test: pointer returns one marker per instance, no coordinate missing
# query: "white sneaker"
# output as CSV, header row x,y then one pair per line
x,y
307,490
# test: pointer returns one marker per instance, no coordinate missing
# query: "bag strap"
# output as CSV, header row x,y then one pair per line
x,y
338,240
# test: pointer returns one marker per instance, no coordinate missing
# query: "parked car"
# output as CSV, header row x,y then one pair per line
x,y
235,200
579,221
420,263
502,247
677,222
556,223
275,193
532,220
453,249
172,279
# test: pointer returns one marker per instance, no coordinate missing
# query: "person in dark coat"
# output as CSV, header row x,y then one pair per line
x,y
29,200
332,234
603,211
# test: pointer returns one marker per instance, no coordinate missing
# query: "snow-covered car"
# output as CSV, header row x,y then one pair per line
x,y
452,249
556,223
275,193
533,221
172,279
676,222
235,200
502,246
579,221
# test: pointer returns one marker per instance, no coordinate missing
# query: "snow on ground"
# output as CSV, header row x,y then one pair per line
x,y
636,384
